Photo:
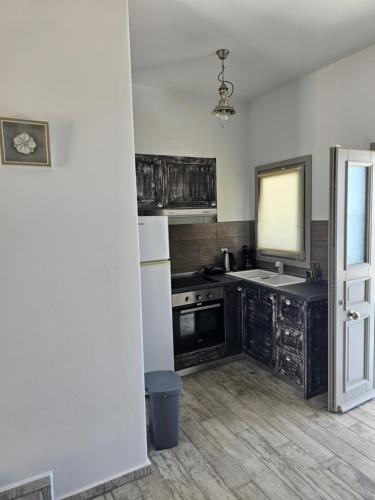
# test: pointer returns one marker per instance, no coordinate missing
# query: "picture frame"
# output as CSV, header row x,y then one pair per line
x,y
24,142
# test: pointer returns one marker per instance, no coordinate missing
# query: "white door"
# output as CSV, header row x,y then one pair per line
x,y
352,268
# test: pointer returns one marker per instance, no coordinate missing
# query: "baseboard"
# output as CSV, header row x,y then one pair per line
x,y
209,364
105,486
40,486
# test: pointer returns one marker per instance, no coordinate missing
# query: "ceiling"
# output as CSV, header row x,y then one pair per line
x,y
271,42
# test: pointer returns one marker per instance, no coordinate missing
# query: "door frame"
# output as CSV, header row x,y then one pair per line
x,y
334,300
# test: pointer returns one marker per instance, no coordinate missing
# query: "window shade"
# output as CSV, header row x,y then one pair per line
x,y
281,212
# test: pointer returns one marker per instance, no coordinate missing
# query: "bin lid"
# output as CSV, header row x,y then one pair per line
x,y
163,382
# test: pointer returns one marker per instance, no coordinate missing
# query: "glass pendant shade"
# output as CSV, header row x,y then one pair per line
x,y
223,114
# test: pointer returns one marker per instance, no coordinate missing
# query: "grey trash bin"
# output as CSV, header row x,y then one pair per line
x,y
164,389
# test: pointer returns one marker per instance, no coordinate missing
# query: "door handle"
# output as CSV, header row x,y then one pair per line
x,y
354,315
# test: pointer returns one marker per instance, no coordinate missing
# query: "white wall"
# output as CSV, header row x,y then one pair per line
x,y
71,374
175,123
335,105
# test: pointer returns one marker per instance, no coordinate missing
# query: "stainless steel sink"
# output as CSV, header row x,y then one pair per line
x,y
267,277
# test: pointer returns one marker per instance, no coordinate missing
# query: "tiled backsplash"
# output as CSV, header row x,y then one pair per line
x,y
319,245
193,246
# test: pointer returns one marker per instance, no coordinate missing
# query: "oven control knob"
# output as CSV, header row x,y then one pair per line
x,y
199,297
209,295
188,299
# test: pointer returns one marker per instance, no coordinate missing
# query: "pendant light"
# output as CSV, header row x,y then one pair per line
x,y
223,110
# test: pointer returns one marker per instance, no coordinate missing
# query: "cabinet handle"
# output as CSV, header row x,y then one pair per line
x,y
239,289
287,302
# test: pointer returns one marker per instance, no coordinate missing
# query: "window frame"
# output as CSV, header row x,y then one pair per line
x,y
269,256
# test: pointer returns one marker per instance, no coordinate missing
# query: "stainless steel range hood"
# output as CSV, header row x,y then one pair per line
x,y
186,215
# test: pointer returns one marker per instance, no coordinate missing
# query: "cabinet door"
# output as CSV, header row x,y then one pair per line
x,y
317,349
259,324
233,318
191,182
291,311
149,172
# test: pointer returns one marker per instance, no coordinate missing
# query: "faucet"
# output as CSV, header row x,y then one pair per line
x,y
279,266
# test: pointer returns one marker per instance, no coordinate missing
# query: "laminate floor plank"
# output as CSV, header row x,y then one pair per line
x,y
248,416
129,491
364,431
153,486
177,477
201,471
358,482
250,491
363,416
223,464
259,473
343,450
247,435
287,471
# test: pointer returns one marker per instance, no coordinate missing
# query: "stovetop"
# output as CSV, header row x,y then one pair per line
x,y
191,281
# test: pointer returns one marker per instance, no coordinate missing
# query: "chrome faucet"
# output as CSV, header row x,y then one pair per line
x,y
279,266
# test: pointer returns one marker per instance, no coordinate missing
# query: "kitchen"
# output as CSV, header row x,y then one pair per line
x,y
259,362
226,302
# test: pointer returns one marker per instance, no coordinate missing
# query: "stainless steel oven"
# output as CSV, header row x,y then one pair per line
x,y
198,320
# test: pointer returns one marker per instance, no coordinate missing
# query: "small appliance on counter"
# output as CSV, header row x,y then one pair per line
x,y
248,257
212,270
229,261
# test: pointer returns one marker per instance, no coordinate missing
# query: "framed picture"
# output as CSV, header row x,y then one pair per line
x,y
24,142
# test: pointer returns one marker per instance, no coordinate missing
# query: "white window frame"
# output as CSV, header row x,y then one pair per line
x,y
270,256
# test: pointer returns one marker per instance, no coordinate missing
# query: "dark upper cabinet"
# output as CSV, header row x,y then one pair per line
x,y
150,180
233,319
171,182
190,182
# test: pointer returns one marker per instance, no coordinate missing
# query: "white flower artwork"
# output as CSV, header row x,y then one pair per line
x,y
24,143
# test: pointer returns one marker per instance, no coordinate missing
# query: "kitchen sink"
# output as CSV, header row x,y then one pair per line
x,y
278,280
267,277
250,274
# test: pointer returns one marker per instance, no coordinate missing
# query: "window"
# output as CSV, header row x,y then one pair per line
x,y
283,193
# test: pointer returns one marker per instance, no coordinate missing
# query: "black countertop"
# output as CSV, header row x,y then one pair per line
x,y
212,282
305,291
308,292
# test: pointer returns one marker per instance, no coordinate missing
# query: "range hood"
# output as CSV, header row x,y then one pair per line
x,y
186,215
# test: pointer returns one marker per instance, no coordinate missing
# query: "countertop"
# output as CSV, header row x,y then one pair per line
x,y
217,280
308,292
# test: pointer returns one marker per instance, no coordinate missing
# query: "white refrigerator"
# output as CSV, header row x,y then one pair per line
x,y
156,293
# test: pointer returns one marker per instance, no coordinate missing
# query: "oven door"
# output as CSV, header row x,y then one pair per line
x,y
197,327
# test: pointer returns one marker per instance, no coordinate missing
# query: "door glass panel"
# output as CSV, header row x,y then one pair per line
x,y
356,215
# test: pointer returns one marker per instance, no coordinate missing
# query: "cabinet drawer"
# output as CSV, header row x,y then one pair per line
x,y
290,366
291,311
290,339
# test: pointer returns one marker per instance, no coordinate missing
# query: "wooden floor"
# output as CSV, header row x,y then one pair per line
x,y
245,434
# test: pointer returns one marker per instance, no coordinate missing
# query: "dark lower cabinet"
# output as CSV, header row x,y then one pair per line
x,y
259,309
233,319
289,334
